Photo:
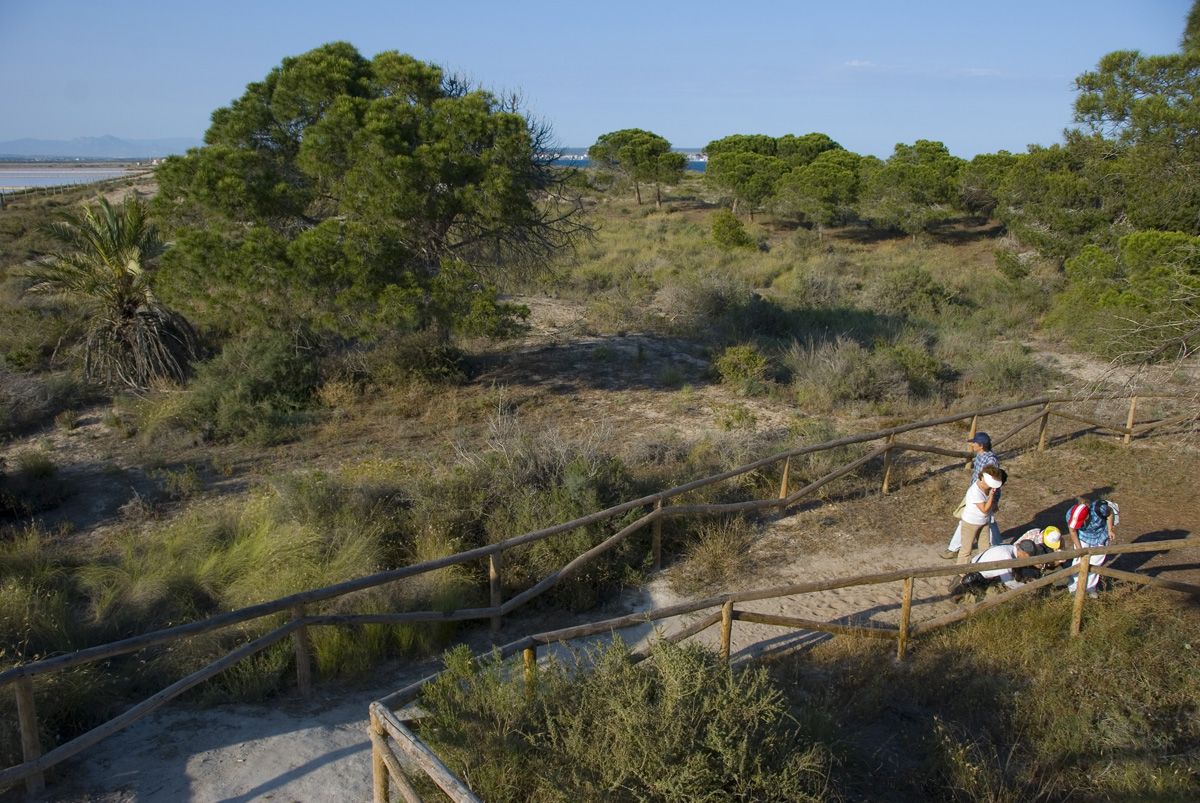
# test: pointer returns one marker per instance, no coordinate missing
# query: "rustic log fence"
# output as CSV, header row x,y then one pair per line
x,y
397,736
36,763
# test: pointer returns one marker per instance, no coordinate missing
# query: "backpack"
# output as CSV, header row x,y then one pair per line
x,y
1094,524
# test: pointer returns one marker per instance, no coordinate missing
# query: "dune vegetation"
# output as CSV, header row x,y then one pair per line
x,y
371,323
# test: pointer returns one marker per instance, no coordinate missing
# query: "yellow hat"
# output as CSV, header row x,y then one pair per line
x,y
1051,537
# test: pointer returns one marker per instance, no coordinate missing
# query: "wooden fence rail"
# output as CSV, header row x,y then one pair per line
x,y
727,614
294,605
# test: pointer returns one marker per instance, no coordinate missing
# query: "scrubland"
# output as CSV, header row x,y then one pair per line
x,y
654,355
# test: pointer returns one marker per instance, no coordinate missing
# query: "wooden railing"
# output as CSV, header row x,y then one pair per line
x,y
25,193
389,728
36,763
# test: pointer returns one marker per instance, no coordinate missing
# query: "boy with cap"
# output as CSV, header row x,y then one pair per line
x,y
980,445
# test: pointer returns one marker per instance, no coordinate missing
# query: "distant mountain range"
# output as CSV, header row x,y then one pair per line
x,y
106,147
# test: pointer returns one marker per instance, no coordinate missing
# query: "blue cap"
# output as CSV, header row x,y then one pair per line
x,y
983,439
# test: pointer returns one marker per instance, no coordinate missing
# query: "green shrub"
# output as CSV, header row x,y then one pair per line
x,y
696,303
181,483
424,356
730,417
920,371
1010,265
255,389
728,232
1004,370
826,374
624,304
912,291
679,726
743,367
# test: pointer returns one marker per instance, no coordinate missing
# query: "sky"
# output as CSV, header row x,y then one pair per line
x,y
979,77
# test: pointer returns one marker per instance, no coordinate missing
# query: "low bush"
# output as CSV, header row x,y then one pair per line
x,y
423,355
1004,370
827,374
680,726
744,368
255,389
717,552
694,303
625,305
912,291
729,232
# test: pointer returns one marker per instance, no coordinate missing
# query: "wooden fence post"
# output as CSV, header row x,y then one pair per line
x,y
905,614
495,586
31,742
971,435
887,463
529,654
783,483
379,770
303,655
656,538
1042,428
726,630
1129,420
1080,595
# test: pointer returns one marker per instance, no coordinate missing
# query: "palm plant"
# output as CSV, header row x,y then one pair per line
x,y
131,338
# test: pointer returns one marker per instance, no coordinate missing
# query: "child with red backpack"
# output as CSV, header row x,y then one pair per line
x,y
1091,525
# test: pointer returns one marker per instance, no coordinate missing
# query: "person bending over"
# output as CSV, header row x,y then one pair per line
x,y
1010,578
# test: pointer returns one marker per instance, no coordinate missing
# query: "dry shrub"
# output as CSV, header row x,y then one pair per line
x,y
717,552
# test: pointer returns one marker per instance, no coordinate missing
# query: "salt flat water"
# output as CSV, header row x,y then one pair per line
x,y
19,177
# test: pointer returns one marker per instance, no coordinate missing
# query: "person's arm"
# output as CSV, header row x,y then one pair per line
x,y
1074,537
1112,535
989,503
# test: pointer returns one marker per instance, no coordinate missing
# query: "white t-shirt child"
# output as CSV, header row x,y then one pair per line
x,y
974,497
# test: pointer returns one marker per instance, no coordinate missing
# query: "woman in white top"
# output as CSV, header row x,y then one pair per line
x,y
977,507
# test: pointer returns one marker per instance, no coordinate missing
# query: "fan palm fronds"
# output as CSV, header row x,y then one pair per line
x,y
132,339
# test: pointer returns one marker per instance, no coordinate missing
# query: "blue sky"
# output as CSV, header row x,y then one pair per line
x,y
870,73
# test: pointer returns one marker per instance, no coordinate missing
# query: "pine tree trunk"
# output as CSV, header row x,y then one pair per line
x,y
637,192
657,196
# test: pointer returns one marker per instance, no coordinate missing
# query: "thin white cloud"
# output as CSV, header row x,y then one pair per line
x,y
979,72
859,63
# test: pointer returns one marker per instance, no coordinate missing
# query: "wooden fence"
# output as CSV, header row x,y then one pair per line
x,y
36,762
25,193
391,735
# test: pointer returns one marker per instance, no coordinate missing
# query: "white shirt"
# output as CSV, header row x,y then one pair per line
x,y
999,552
974,497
